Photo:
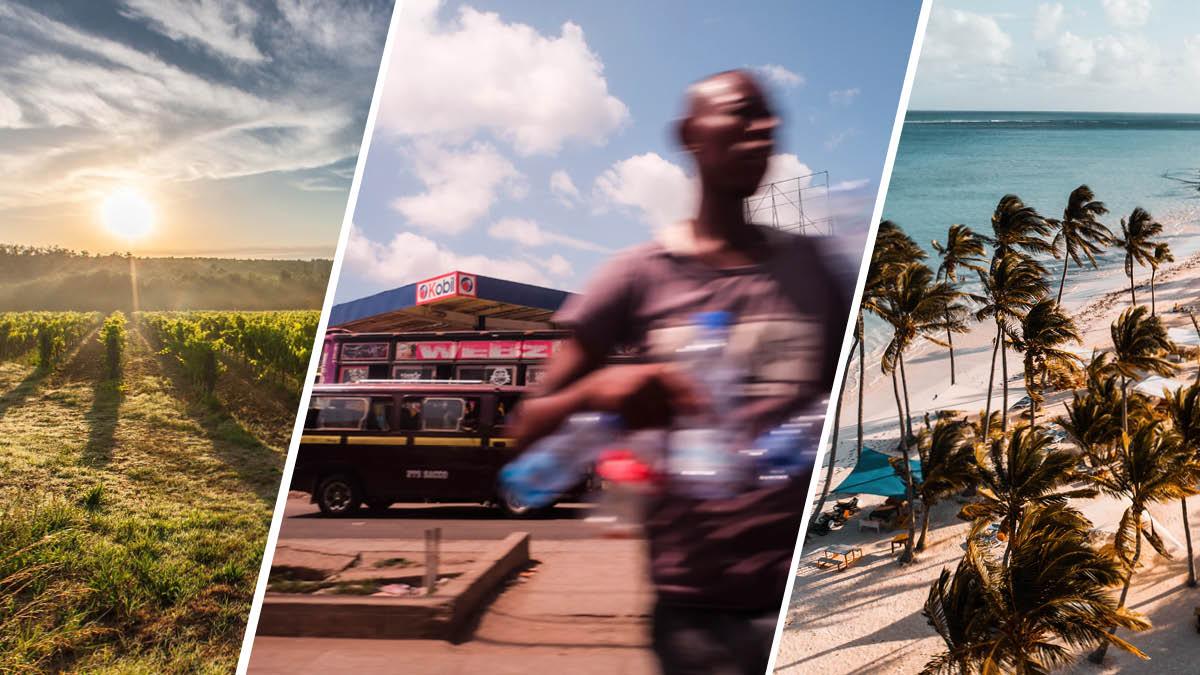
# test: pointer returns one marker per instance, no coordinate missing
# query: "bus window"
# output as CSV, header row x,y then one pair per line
x,y
380,418
328,412
441,414
505,404
410,414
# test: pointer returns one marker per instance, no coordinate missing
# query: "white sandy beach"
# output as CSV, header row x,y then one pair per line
x,y
868,618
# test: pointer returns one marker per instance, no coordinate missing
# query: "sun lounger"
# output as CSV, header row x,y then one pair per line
x,y
839,557
899,540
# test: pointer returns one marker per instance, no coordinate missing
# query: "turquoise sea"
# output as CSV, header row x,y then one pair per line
x,y
953,167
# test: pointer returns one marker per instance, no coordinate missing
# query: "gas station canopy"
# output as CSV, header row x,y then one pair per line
x,y
452,301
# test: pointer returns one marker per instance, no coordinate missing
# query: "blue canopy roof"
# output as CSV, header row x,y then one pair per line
x,y
874,475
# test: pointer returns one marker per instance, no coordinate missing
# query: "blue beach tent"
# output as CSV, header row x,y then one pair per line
x,y
874,475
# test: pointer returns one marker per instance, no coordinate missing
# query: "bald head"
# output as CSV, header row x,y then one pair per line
x,y
729,130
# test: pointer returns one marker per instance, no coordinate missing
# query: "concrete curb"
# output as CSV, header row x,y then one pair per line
x,y
440,616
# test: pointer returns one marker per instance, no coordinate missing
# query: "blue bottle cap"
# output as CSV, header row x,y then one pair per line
x,y
711,320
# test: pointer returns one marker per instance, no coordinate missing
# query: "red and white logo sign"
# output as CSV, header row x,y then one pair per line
x,y
477,350
454,284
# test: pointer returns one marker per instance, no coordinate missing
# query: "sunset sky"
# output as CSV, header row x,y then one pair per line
x,y
235,127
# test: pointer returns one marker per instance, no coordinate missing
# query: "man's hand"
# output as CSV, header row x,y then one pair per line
x,y
645,395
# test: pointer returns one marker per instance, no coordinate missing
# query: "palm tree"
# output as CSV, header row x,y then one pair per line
x,y
964,249
1161,256
1043,330
1011,286
1016,226
862,374
1018,473
916,306
1183,409
947,466
1136,235
1080,234
1031,614
1151,465
1139,342
1090,424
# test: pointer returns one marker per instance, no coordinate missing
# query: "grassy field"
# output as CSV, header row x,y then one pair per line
x,y
133,511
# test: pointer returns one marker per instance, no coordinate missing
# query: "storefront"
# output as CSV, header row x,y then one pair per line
x,y
455,326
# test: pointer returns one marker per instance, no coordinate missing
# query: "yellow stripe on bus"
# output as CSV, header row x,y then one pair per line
x,y
441,440
378,440
320,440
503,440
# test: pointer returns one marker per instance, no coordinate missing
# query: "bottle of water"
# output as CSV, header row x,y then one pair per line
x,y
701,460
789,450
557,463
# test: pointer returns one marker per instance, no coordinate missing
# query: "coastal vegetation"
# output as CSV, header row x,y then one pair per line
x,y
1038,583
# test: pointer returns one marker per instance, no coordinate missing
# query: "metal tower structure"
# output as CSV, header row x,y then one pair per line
x,y
799,205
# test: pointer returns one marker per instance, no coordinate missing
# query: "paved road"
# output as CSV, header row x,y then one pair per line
x,y
303,520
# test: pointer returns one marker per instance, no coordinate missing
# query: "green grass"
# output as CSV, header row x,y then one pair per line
x,y
132,518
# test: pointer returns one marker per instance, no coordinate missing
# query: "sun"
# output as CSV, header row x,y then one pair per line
x,y
127,214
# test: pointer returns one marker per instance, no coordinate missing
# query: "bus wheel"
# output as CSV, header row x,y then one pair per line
x,y
511,505
338,495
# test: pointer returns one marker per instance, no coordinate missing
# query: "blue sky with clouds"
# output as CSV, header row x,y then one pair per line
x,y
238,121
1082,55
528,140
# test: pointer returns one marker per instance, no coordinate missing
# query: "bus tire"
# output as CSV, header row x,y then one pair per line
x,y
338,495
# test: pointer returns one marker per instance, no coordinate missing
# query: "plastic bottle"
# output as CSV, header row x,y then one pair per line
x,y
556,464
701,460
790,449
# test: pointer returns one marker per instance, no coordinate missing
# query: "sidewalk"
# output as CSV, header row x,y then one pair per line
x,y
584,609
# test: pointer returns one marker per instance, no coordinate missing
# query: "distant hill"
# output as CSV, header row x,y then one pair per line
x,y
60,279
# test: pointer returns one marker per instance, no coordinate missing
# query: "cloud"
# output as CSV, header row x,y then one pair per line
x,y
839,137
528,233
1126,59
658,190
844,96
561,186
558,266
780,76
1046,19
410,257
1126,14
461,186
661,193
84,112
223,27
955,38
477,73
850,185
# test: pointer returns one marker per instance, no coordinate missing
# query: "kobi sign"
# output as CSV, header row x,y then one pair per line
x,y
450,285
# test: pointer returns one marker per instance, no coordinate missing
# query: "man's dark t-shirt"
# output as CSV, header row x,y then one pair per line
x,y
789,317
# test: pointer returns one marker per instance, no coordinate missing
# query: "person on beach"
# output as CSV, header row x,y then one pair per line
x,y
719,566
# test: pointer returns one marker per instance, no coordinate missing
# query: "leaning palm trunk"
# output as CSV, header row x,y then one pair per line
x,y
1062,280
1153,272
907,404
833,442
862,373
1197,327
1124,405
950,343
1004,384
1187,534
987,413
1098,655
1129,272
908,555
924,525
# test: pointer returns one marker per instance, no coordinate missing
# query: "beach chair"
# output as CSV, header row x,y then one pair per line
x,y
899,540
869,524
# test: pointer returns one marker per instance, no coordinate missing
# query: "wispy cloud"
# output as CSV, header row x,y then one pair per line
x,y
780,75
82,110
